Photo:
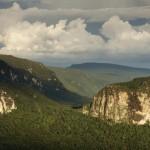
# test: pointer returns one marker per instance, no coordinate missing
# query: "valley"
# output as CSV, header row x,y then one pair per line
x,y
34,115
87,79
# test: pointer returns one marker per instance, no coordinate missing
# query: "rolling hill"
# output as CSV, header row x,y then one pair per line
x,y
86,79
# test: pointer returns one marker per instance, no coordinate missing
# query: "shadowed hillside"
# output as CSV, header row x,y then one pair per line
x,y
35,75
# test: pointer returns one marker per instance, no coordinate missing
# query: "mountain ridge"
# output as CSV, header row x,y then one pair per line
x,y
22,71
87,82
93,65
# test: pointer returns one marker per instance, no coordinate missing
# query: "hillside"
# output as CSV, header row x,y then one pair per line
x,y
32,120
78,81
86,79
25,72
124,102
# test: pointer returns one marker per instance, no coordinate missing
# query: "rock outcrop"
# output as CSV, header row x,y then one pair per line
x,y
7,103
124,102
50,87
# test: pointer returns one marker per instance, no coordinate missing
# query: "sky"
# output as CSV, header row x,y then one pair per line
x,y
64,32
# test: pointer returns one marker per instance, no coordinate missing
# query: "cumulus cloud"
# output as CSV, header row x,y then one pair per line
x,y
61,38
124,38
8,17
69,40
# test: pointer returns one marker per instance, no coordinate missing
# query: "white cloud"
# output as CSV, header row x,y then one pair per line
x,y
124,38
8,17
24,34
60,39
71,38
114,27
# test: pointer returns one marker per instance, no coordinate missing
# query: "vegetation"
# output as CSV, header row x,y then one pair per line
x,y
138,83
39,123
33,67
84,79
35,77
78,81
87,79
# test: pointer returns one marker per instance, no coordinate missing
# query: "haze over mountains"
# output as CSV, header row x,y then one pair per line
x,y
107,66
88,78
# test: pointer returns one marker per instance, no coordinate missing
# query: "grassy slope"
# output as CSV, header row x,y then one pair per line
x,y
38,69
78,81
81,79
39,123
136,84
87,80
46,75
75,81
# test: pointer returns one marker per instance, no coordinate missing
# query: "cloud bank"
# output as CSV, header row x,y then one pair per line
x,y
81,4
52,16
69,40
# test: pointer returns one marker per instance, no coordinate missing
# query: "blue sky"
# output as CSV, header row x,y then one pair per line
x,y
62,32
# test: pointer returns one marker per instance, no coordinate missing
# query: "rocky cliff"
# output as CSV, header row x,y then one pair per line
x,y
39,78
7,103
124,102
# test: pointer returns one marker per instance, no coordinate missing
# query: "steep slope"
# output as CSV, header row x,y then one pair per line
x,y
7,103
35,68
38,77
127,102
86,79
77,81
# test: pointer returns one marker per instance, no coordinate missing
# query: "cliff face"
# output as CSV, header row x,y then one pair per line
x,y
7,103
49,86
124,102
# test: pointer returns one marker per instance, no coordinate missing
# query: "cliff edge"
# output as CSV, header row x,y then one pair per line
x,y
124,102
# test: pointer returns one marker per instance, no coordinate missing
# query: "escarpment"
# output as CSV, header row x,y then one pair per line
x,y
47,84
124,102
7,103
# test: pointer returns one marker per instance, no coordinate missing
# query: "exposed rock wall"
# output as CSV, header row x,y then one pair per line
x,y
122,105
48,84
7,103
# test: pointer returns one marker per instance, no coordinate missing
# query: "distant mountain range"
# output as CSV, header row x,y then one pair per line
x,y
88,78
107,66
